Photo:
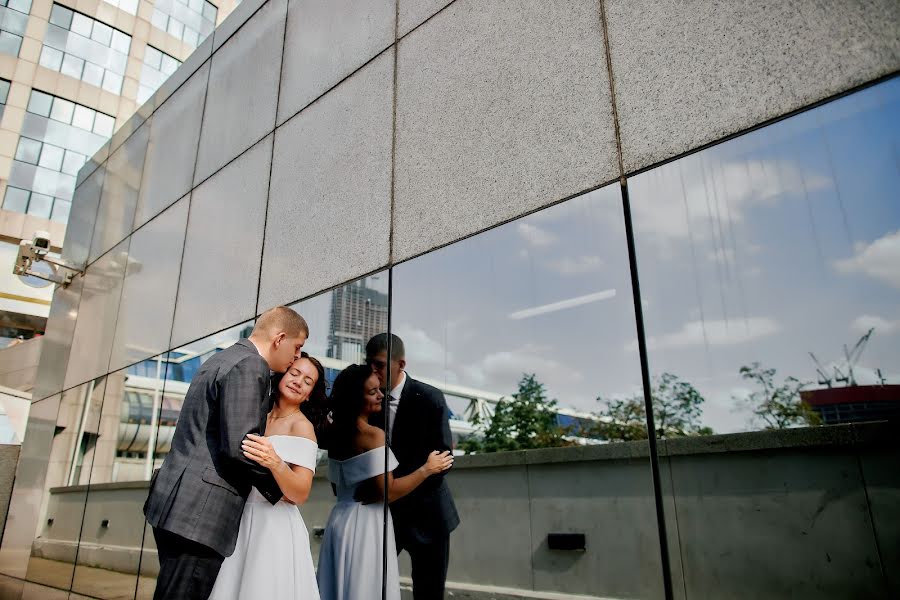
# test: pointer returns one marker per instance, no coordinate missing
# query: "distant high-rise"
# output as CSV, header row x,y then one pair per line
x,y
358,311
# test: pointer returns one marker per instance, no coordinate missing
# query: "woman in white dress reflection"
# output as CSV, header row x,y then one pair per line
x,y
350,560
272,559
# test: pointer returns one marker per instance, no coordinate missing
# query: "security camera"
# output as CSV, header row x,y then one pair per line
x,y
40,243
34,260
26,255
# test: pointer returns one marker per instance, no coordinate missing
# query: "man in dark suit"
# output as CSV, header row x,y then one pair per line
x,y
197,496
418,424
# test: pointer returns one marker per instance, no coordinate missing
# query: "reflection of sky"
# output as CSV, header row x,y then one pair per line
x,y
548,294
778,243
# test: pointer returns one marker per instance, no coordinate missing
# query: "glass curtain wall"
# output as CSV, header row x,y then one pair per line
x,y
524,328
770,275
768,272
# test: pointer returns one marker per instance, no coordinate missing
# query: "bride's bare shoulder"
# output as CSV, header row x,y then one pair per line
x,y
303,428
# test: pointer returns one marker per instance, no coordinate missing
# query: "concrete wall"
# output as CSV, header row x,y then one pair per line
x,y
806,513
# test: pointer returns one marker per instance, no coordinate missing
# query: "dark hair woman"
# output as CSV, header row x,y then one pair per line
x,y
347,563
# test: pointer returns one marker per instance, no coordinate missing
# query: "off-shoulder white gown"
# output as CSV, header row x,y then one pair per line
x,y
350,558
272,559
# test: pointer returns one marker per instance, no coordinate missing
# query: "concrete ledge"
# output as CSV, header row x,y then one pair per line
x,y
806,437
467,591
121,485
863,434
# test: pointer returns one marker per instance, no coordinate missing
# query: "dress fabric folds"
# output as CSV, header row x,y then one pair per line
x,y
350,560
272,559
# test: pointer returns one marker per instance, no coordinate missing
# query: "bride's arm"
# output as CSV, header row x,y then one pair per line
x,y
295,482
437,462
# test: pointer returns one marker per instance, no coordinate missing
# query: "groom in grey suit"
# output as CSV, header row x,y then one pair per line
x,y
197,496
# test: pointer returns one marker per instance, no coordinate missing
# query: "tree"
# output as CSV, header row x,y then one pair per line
x,y
527,421
677,408
778,406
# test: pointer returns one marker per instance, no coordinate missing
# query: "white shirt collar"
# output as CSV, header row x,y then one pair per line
x,y
398,389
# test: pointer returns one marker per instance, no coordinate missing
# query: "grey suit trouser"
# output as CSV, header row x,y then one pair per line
x,y
187,570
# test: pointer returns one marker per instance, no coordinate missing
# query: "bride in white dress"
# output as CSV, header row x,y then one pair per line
x,y
272,559
350,560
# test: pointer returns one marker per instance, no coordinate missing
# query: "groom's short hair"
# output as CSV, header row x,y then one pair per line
x,y
379,343
281,318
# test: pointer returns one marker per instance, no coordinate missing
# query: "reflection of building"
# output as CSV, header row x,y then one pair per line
x,y
68,77
358,312
855,404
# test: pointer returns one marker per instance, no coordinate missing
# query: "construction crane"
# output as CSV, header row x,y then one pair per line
x,y
844,373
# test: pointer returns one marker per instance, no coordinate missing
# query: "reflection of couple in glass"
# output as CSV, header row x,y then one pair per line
x,y
224,491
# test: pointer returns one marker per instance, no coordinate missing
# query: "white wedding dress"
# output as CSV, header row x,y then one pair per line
x,y
272,559
350,560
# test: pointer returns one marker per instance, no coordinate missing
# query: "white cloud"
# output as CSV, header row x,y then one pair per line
x,y
575,266
715,333
502,370
535,235
563,304
863,323
880,260
714,198
420,348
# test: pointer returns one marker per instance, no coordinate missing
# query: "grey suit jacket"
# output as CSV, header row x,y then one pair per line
x,y
200,490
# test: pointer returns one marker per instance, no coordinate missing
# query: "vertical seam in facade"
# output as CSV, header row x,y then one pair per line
x,y
87,492
62,386
394,133
612,89
190,195
865,487
262,251
675,515
530,519
118,310
147,123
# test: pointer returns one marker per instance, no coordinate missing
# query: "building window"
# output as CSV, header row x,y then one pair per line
x,y
129,6
84,48
189,20
64,111
56,139
13,21
158,66
39,205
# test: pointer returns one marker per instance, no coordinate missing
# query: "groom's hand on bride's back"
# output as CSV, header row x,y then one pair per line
x,y
368,492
